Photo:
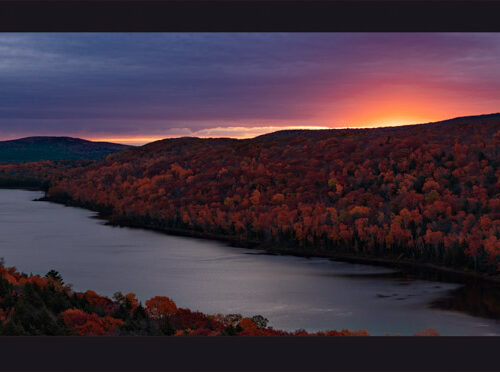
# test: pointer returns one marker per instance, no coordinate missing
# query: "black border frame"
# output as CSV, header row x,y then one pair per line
x,y
249,353
248,16
377,353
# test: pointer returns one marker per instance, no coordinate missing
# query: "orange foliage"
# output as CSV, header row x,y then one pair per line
x,y
427,332
248,324
184,321
104,303
160,307
132,299
86,324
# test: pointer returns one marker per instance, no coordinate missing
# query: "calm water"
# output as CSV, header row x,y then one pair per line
x,y
292,292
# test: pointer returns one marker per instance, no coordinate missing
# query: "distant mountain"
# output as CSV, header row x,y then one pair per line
x,y
54,148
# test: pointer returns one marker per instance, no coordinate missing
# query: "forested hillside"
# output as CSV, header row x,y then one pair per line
x,y
54,148
425,193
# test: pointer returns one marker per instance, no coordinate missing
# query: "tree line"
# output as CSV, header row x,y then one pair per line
x,y
44,305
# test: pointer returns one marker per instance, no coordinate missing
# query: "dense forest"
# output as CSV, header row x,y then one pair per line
x,y
54,148
35,305
425,193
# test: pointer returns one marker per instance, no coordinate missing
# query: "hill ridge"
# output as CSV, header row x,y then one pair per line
x,y
455,120
36,148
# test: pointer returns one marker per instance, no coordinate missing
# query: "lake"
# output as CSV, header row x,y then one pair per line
x,y
212,277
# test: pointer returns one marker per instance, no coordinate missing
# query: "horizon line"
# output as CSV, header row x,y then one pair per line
x,y
148,140
251,132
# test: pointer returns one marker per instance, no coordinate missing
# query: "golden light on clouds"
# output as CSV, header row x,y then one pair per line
x,y
395,106
382,107
231,132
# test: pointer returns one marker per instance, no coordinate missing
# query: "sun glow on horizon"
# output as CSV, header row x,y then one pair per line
x,y
395,103
247,132
392,121
241,132
374,109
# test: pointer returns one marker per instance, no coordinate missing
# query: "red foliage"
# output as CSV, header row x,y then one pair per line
x,y
104,303
185,318
160,307
248,325
184,321
133,301
85,324
427,332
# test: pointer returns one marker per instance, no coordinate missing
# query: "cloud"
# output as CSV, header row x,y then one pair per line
x,y
148,84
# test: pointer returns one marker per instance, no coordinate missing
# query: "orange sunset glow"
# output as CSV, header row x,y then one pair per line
x,y
377,109
240,85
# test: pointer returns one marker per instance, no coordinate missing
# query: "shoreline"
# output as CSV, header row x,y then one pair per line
x,y
446,273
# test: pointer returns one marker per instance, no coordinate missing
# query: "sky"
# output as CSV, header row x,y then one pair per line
x,y
137,88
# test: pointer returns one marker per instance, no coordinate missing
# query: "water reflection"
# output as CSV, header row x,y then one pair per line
x,y
481,301
476,297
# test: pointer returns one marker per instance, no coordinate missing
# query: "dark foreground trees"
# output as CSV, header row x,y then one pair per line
x,y
35,305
